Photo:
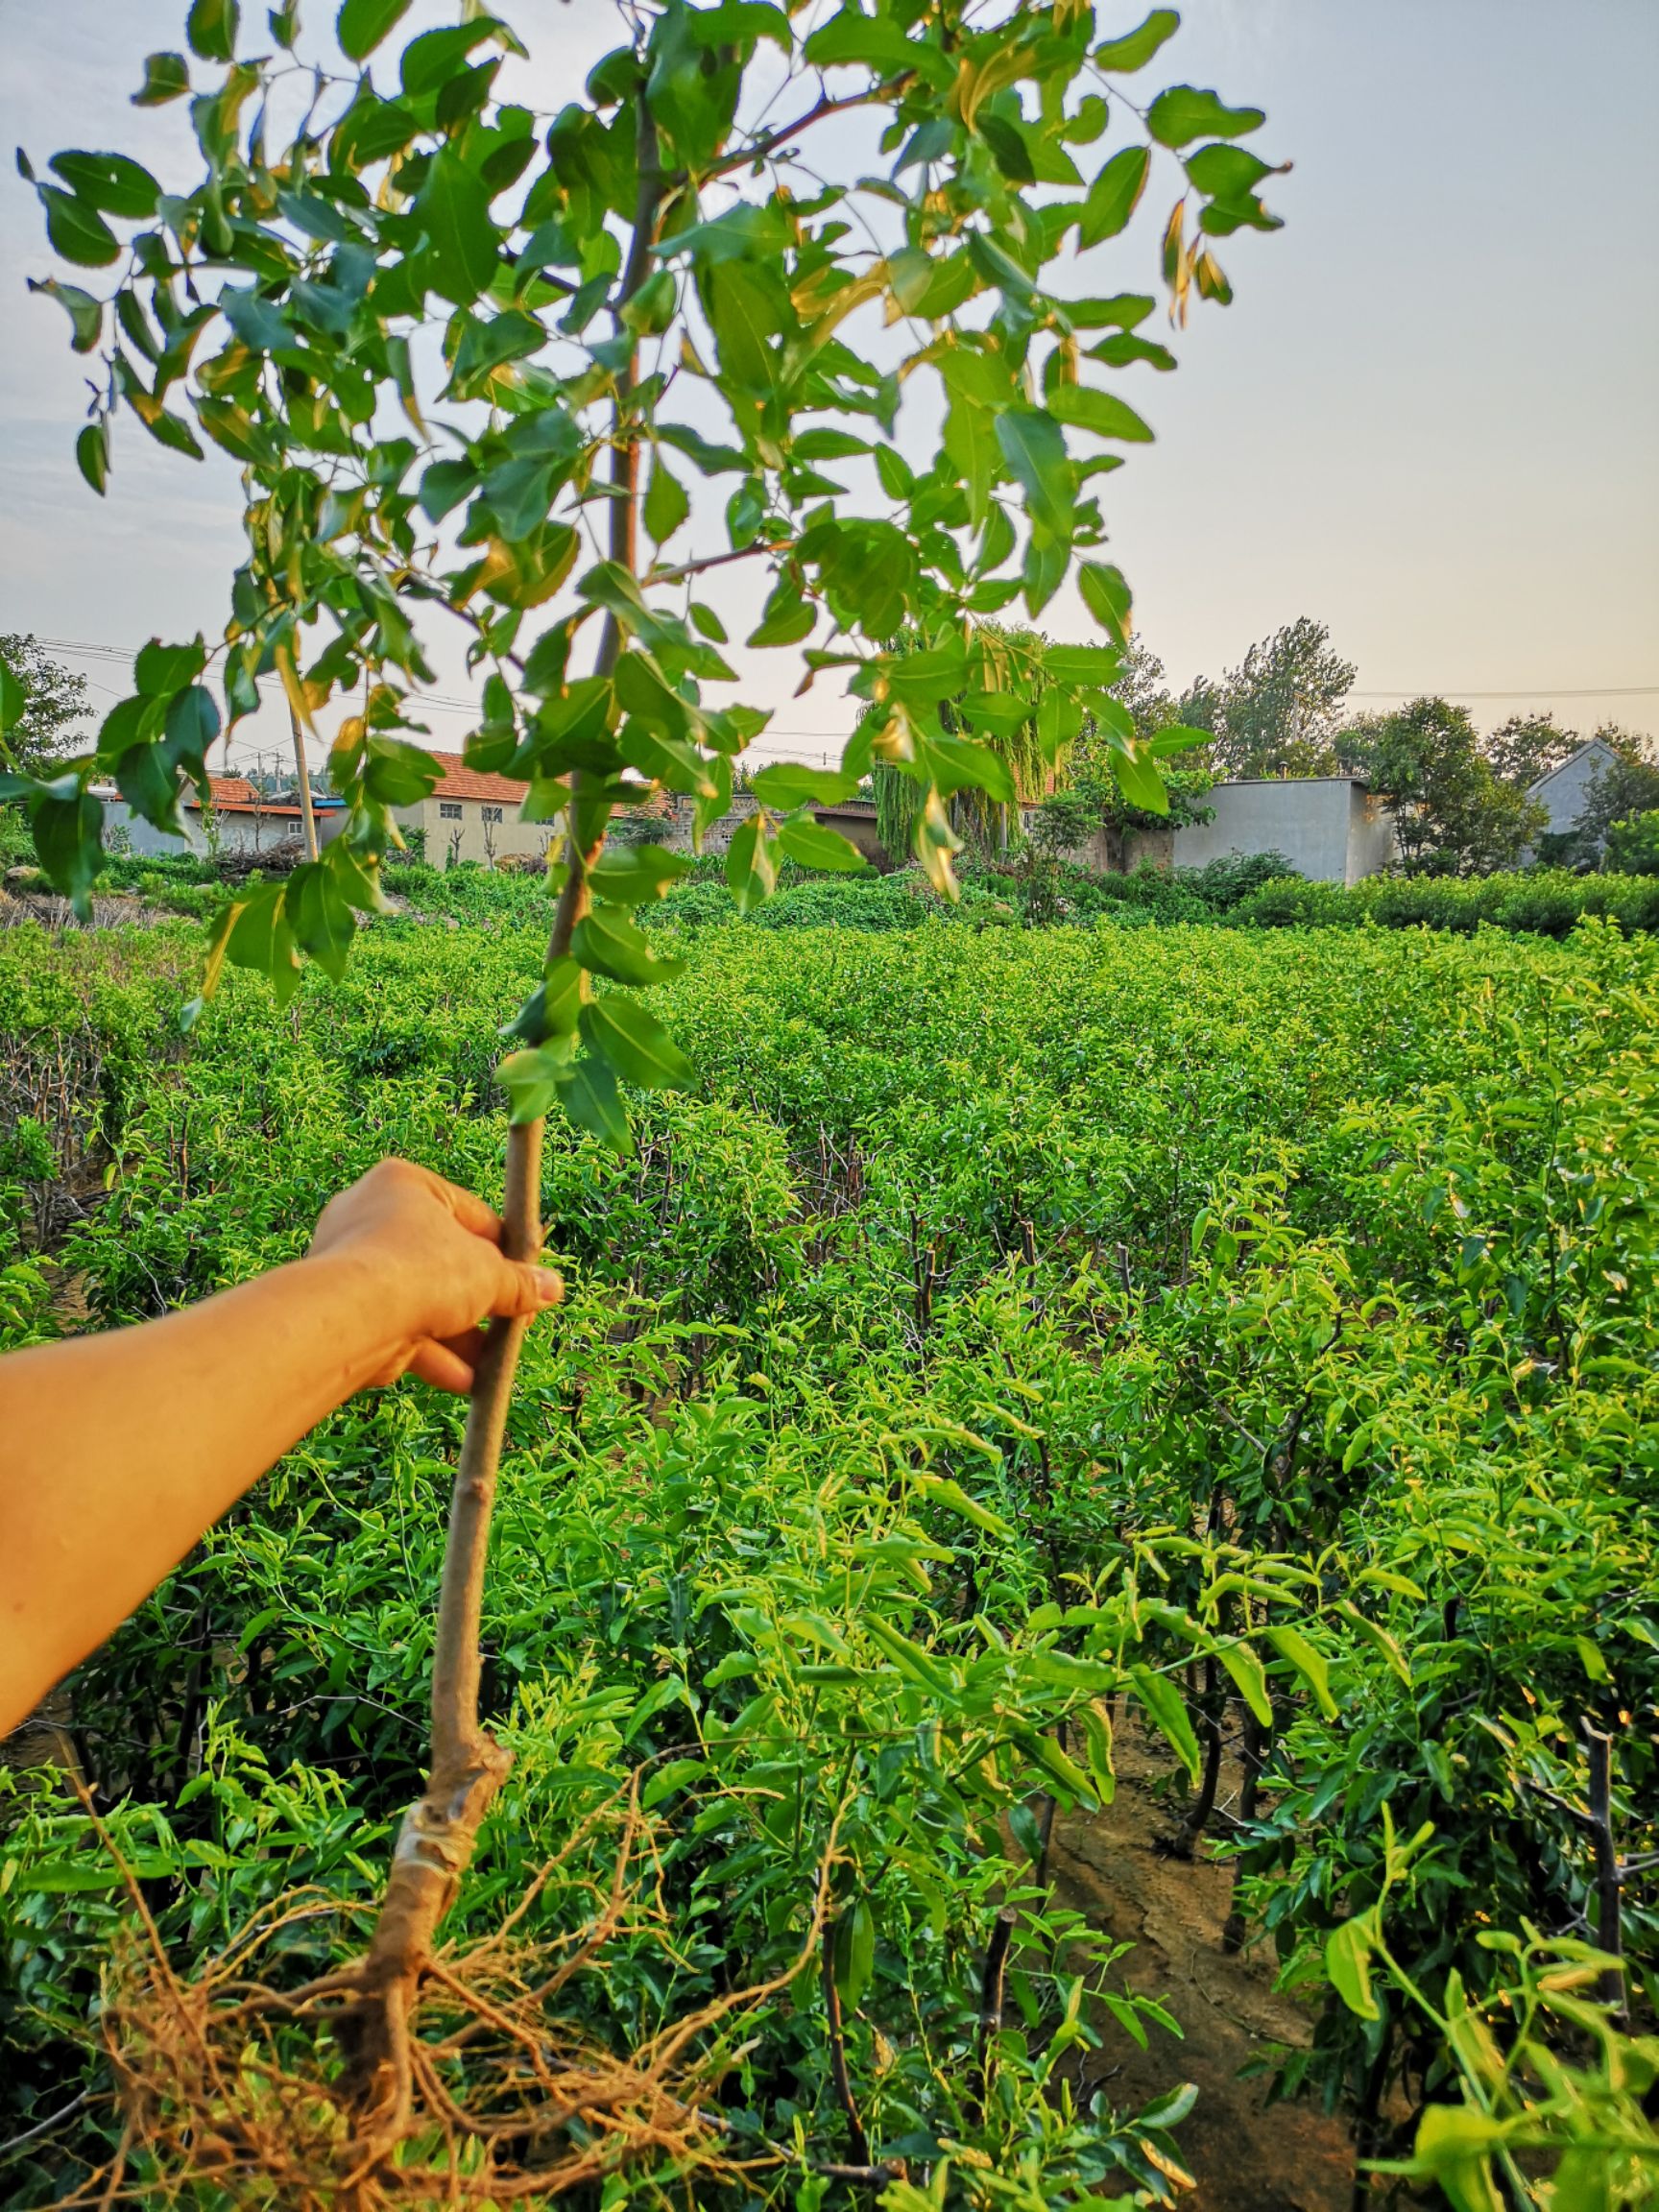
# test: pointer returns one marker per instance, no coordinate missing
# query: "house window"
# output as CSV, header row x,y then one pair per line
x,y
450,810
491,813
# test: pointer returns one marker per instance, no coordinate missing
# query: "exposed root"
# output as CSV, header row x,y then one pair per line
x,y
254,2088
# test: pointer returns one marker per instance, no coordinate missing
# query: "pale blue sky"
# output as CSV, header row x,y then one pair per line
x,y
1430,419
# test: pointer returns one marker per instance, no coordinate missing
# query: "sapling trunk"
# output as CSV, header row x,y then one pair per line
x,y
440,1830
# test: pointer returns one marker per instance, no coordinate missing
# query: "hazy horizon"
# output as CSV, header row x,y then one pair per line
x,y
1428,419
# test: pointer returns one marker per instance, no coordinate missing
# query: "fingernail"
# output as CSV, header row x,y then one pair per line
x,y
549,1285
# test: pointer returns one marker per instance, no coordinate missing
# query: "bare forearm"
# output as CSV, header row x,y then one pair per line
x,y
118,1450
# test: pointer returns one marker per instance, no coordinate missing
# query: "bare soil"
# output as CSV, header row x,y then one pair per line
x,y
1244,2155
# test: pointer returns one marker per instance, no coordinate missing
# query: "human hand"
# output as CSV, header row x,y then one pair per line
x,y
428,1256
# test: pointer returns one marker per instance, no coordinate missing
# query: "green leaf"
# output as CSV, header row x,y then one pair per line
x,y
750,868
1292,1646
634,875
92,455
166,77
1183,113
443,487
322,922
591,1098
786,783
1176,737
76,228
970,447
1379,1639
1456,2144
608,944
654,306
13,699
1114,195
453,205
532,1079
666,504
1035,453
829,446
1083,664
111,181
852,40
1251,1676
1139,779
636,1044
362,24
1222,172
1136,47
68,835
853,1954
813,844
211,29
85,314
1059,1766
787,617
261,938
430,61
159,670
1348,1963
1106,594
1167,1708
1101,412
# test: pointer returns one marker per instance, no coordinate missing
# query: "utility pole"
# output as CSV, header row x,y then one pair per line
x,y
305,810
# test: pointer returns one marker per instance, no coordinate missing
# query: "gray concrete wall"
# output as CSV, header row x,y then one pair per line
x,y
1566,789
1328,827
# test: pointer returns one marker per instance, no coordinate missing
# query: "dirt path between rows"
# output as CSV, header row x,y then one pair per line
x,y
1244,2155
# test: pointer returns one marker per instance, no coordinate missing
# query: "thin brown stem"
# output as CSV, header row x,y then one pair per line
x,y
684,568
1609,1933
838,2070
436,1843
762,149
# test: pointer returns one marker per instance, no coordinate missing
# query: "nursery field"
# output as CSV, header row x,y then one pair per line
x,y
1227,1356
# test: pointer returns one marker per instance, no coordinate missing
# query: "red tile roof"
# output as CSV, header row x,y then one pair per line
x,y
231,790
459,781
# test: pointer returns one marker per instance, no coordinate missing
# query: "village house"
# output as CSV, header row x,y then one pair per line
x,y
1565,791
1331,829
469,816
239,817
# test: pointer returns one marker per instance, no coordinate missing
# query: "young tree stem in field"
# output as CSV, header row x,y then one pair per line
x,y
469,1765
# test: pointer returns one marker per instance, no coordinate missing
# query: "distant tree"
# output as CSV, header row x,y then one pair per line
x,y
1529,746
1144,692
1621,788
1453,816
1279,712
1632,845
52,724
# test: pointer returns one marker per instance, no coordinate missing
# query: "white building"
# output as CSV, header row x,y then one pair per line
x,y
471,816
1565,791
237,818
1331,829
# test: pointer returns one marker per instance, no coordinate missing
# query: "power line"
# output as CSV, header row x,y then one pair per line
x,y
1537,691
84,648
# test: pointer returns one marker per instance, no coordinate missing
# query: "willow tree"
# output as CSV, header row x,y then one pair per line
x,y
468,356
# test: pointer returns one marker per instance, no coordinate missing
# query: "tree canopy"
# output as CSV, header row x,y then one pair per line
x,y
1279,712
51,721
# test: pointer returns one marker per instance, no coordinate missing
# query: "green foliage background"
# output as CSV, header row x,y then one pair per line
x,y
1339,1339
